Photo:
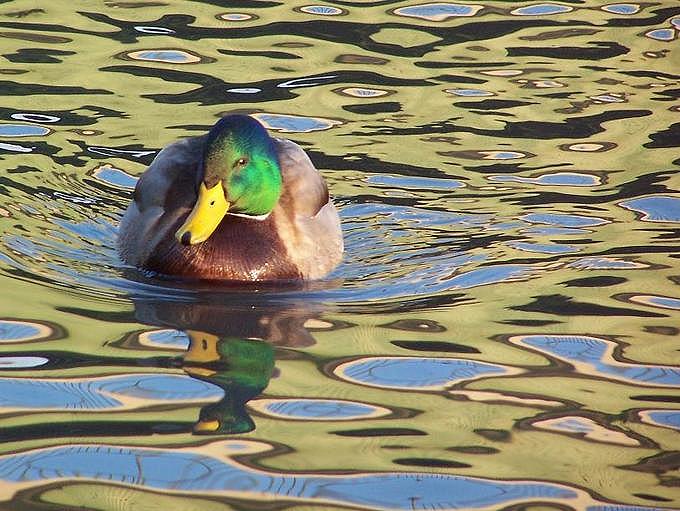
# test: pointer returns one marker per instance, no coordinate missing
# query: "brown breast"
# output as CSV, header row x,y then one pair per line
x,y
240,249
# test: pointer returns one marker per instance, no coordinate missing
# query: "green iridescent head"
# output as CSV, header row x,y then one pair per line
x,y
241,173
240,153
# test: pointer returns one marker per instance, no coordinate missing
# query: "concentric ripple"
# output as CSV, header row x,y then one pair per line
x,y
317,409
416,373
594,357
107,393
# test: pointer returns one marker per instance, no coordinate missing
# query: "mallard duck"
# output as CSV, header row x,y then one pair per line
x,y
234,204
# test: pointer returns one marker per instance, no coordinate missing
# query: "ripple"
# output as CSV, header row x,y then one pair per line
x,y
469,93
438,11
493,275
663,418
309,81
414,182
12,331
317,409
606,263
236,16
541,84
21,362
295,123
168,339
555,231
624,9
563,220
499,397
22,130
655,208
245,90
543,248
663,302
166,56
594,357
502,72
206,470
546,9
128,391
115,152
115,177
322,10
609,98
489,155
588,428
36,117
589,147
418,373
556,179
362,92
16,148
662,34
154,30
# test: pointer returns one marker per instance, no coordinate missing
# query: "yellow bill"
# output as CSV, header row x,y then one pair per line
x,y
207,214
206,426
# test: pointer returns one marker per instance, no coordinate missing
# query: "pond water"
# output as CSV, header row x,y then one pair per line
x,y
503,330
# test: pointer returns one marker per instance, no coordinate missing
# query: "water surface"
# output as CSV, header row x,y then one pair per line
x,y
503,330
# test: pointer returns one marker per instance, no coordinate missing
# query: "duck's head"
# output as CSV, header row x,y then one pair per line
x,y
241,173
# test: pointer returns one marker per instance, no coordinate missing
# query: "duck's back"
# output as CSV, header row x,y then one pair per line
x,y
299,239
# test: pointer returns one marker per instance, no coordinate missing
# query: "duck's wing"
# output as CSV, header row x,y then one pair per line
x,y
166,190
306,219
305,191
170,180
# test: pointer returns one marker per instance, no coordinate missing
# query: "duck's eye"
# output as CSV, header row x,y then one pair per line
x,y
241,162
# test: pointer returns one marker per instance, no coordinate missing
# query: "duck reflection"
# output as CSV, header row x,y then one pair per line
x,y
231,345
240,367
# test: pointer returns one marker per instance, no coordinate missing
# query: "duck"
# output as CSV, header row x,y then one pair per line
x,y
235,204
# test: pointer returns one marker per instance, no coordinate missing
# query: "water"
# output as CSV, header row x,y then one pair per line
x,y
503,330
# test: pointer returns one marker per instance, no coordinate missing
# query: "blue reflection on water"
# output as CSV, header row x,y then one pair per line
x,y
664,302
662,34
169,339
21,362
115,177
425,183
186,471
417,373
323,10
541,10
605,263
598,354
656,208
470,92
437,11
557,179
491,275
294,123
621,8
101,393
555,231
327,409
666,418
543,248
22,130
563,220
14,331
172,56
